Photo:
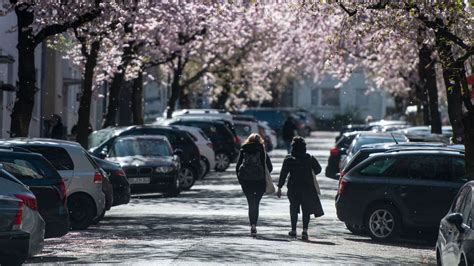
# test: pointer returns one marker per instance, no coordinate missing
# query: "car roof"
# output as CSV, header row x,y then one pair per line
x,y
380,134
143,137
39,141
404,144
417,152
21,153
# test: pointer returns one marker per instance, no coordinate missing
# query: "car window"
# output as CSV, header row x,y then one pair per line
x,y
143,147
359,142
28,168
467,208
458,202
378,167
58,157
458,169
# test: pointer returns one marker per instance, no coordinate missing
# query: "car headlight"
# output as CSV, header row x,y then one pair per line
x,y
164,169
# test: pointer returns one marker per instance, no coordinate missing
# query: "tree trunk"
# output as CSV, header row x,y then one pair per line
x,y
25,96
175,89
137,100
427,74
82,127
453,87
469,142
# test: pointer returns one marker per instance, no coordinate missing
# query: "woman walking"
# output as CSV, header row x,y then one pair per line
x,y
302,185
251,173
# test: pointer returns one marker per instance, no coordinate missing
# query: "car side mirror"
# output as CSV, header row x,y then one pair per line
x,y
343,151
456,220
178,152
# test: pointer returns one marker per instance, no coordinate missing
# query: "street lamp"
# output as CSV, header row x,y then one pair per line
x,y
5,63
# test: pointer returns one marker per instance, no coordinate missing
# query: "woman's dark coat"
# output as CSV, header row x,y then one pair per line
x,y
300,166
253,148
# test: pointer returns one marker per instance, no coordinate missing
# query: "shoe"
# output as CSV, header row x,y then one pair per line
x,y
292,233
253,232
304,236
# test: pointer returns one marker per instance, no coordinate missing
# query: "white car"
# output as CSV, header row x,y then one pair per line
x,y
213,113
82,178
204,144
27,216
245,128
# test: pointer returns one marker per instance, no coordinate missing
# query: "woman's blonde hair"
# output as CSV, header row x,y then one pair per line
x,y
254,138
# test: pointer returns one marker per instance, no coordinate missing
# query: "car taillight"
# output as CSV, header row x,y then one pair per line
x,y
118,172
342,173
342,186
18,217
28,200
62,189
209,144
334,151
98,178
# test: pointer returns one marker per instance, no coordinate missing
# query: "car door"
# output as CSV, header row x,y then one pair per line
x,y
450,234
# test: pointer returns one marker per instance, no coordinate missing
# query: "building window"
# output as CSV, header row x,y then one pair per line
x,y
330,97
315,96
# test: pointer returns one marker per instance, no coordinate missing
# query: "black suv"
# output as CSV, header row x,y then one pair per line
x,y
179,139
396,191
45,182
226,144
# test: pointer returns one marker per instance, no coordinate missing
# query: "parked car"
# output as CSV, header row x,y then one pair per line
x,y
353,128
383,125
214,113
190,169
46,184
305,120
118,179
335,154
269,134
365,138
14,242
82,178
245,128
148,162
247,124
27,217
206,149
456,231
393,192
226,144
423,134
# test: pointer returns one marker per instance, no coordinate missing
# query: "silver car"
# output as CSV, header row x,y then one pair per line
x,y
28,217
82,178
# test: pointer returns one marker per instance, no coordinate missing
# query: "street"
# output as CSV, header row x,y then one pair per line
x,y
209,225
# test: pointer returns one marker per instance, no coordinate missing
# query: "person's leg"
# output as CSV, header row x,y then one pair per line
x,y
257,198
306,219
249,195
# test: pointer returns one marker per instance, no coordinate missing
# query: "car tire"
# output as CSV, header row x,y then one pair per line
x,y
99,218
383,222
174,189
222,162
356,229
187,178
81,211
205,166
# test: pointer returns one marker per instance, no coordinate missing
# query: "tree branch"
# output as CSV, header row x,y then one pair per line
x,y
349,12
60,28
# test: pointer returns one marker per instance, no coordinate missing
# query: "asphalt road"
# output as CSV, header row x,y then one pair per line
x,y
209,225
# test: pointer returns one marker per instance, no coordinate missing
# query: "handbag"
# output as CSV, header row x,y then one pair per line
x,y
269,187
316,184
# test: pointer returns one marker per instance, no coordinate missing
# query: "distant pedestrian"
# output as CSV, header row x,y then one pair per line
x,y
56,127
303,188
251,174
289,131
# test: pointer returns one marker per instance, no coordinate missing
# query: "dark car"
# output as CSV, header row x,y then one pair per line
x,y
391,192
148,162
455,245
335,154
46,184
366,138
179,139
353,128
14,243
118,179
222,138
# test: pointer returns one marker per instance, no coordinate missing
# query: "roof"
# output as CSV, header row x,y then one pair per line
x,y
380,134
144,137
39,141
417,152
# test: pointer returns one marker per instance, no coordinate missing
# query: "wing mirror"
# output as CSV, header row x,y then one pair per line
x,y
456,220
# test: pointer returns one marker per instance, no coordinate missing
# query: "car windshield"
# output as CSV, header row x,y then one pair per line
x,y
372,140
151,147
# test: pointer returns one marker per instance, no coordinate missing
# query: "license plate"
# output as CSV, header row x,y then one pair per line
x,y
139,180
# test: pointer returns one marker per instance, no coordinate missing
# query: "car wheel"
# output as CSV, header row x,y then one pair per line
x,y
174,189
205,166
81,211
98,219
383,222
222,162
356,229
187,177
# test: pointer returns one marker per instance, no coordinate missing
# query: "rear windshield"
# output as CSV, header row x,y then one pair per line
x,y
57,156
98,137
29,168
369,140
